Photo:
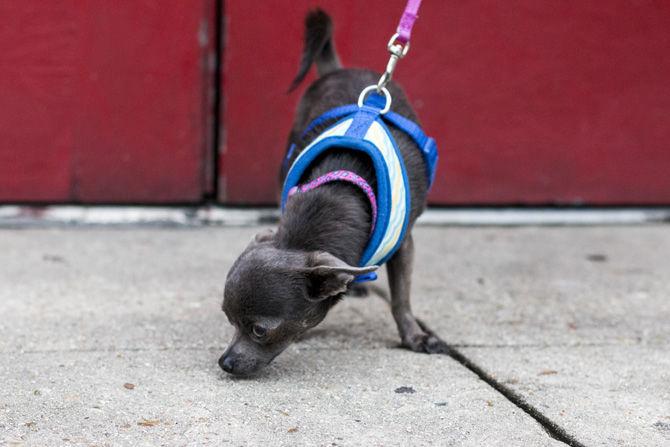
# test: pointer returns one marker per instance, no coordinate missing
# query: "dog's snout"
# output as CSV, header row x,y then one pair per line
x,y
227,363
245,357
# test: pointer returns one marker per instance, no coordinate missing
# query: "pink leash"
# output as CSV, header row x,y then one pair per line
x,y
407,20
398,46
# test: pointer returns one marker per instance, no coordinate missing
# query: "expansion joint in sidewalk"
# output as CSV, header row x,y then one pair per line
x,y
552,428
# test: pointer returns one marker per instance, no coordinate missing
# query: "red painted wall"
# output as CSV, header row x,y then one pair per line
x,y
106,101
531,102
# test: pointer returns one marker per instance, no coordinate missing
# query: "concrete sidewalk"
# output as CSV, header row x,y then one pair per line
x,y
111,337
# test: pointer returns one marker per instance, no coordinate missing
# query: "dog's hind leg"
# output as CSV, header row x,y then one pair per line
x,y
400,280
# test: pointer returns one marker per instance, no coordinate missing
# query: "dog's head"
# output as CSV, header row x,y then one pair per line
x,y
274,295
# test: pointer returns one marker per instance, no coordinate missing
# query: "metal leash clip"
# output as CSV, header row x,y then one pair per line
x,y
398,51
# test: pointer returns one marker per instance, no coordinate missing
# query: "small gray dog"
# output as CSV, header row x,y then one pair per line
x,y
285,282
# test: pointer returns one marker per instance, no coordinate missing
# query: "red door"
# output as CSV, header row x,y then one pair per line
x,y
106,101
530,102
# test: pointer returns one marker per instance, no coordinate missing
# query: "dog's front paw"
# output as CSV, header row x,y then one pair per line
x,y
426,343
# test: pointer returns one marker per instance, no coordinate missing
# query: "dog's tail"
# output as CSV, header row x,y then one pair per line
x,y
319,47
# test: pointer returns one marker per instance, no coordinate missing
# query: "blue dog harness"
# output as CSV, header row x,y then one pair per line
x,y
364,127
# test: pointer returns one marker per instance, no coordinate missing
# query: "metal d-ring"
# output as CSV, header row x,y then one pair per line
x,y
384,90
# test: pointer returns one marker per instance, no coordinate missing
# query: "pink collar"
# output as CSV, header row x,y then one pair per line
x,y
343,176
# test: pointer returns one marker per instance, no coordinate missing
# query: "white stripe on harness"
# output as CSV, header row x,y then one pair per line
x,y
396,207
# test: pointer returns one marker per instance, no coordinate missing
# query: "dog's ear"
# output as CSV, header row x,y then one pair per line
x,y
328,275
266,235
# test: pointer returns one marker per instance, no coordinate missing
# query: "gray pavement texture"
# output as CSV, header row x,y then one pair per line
x,y
111,337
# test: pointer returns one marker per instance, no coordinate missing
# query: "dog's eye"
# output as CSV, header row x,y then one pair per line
x,y
259,331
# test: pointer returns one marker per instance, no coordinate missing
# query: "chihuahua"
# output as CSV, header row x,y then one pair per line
x,y
287,280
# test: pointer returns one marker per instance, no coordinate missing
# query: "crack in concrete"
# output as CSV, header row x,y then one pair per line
x,y
552,428
555,431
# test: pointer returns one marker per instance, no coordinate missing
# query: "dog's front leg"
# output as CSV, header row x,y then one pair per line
x,y
400,280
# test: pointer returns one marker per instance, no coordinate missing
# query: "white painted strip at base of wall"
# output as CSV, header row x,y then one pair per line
x,y
545,216
60,215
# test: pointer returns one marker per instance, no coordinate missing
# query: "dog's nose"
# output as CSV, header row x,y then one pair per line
x,y
227,363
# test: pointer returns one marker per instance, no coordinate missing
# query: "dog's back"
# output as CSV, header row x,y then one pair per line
x,y
336,87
